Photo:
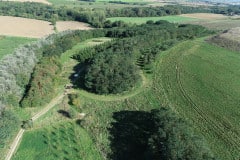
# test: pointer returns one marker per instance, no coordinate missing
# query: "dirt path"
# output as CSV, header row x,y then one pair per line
x,y
34,118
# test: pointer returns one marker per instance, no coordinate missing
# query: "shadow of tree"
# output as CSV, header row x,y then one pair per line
x,y
129,135
77,77
64,113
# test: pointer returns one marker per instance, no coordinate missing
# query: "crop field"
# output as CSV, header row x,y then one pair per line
x,y
209,16
35,28
140,20
38,1
71,25
202,83
84,4
25,27
9,44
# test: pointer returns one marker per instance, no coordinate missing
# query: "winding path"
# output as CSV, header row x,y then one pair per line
x,y
17,139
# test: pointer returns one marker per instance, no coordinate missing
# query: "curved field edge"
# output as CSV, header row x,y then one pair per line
x,y
201,83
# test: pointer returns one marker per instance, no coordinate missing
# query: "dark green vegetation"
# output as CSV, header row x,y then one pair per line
x,y
44,80
111,73
51,13
9,124
158,134
9,44
201,83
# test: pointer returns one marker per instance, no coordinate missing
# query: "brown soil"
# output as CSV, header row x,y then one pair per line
x,y
23,27
71,25
207,16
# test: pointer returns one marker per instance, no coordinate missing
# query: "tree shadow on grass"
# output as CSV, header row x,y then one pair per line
x,y
64,113
129,135
77,77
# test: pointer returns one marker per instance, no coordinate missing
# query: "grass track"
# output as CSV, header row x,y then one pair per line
x,y
202,84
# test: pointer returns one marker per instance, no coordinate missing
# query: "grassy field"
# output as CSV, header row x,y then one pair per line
x,y
65,140
84,4
9,44
140,20
202,84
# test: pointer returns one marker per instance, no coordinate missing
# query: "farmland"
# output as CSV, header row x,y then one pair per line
x,y
201,83
26,27
140,20
38,1
9,44
35,28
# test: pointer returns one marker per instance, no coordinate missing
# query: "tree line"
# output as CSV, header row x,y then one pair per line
x,y
97,17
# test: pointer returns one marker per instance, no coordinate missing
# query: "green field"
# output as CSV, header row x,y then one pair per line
x,y
97,4
140,20
201,82
9,44
65,140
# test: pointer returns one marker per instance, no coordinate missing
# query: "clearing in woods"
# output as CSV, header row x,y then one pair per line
x,y
72,25
202,83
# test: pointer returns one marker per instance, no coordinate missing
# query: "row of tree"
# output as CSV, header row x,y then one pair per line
x,y
97,17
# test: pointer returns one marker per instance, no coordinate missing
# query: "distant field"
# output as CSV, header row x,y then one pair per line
x,y
208,16
35,28
23,27
84,4
140,20
9,44
39,1
71,25
201,81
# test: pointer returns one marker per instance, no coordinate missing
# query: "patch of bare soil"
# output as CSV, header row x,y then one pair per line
x,y
206,16
38,1
23,27
71,25
229,39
